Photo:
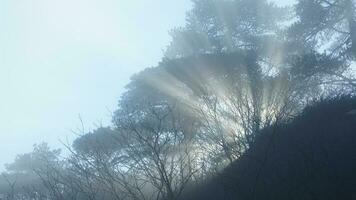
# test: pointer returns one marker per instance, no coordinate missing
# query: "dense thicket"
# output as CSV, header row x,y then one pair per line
x,y
310,157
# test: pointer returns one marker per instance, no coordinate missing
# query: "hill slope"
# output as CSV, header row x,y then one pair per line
x,y
312,157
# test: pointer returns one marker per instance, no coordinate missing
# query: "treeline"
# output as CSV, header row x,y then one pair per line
x,y
237,67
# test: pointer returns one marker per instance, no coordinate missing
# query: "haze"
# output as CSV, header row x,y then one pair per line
x,y
63,59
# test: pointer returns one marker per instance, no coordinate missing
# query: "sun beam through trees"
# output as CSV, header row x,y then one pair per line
x,y
237,69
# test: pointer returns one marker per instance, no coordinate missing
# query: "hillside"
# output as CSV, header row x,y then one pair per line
x,y
311,157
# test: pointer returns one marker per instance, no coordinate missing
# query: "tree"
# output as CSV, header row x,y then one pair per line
x,y
157,138
278,38
323,36
217,26
326,25
148,155
39,174
227,96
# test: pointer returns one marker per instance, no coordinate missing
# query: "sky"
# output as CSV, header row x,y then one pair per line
x,y
63,61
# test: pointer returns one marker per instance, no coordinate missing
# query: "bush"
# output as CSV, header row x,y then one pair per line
x,y
311,157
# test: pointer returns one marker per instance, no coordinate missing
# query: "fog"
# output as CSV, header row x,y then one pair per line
x,y
66,61
179,99
63,59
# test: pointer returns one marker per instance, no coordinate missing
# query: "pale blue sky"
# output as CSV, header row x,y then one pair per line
x,y
63,58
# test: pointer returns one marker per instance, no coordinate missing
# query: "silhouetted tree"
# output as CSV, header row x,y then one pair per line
x,y
323,39
326,25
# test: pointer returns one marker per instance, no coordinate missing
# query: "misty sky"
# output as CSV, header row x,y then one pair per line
x,y
63,58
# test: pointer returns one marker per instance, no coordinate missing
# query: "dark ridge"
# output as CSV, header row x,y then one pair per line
x,y
312,157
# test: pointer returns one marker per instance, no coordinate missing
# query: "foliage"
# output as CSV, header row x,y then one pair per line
x,y
326,25
218,26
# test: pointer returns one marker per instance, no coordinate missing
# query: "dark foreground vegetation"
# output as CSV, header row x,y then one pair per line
x,y
221,116
310,157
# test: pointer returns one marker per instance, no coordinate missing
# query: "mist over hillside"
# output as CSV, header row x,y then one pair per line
x,y
251,99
